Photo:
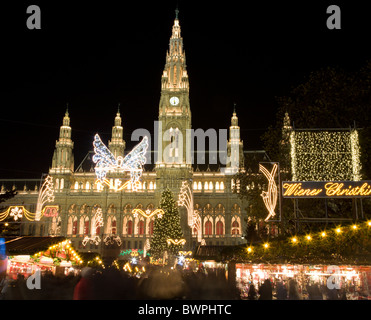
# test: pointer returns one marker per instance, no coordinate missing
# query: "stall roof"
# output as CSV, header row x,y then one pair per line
x,y
208,252
29,245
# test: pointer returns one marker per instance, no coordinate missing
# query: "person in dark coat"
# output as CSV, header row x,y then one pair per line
x,y
265,290
281,291
293,290
252,295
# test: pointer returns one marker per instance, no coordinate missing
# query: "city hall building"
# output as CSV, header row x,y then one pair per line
x,y
78,193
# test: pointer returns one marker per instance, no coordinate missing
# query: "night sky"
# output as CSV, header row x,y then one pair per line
x,y
95,55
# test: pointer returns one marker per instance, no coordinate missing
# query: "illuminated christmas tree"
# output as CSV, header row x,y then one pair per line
x,y
167,227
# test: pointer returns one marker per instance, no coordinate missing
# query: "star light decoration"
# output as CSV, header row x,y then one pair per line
x,y
270,196
132,163
16,213
185,199
97,222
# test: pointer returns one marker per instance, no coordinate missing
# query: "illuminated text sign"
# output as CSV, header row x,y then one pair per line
x,y
326,189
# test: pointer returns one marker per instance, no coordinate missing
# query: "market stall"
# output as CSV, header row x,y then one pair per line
x,y
351,282
25,255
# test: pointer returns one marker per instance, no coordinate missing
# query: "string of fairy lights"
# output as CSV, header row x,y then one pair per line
x,y
310,238
325,155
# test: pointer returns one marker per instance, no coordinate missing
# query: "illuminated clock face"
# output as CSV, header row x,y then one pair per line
x,y
174,101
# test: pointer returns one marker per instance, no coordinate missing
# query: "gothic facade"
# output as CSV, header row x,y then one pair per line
x,y
78,194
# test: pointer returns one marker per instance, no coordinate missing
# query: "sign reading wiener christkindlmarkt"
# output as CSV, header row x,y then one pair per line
x,y
326,189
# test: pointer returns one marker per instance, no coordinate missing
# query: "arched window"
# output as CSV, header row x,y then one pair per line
x,y
150,185
235,227
219,228
199,185
208,228
217,185
87,186
195,185
111,225
211,187
141,227
61,186
221,185
76,185
206,186
150,227
84,225
72,225
129,227
56,184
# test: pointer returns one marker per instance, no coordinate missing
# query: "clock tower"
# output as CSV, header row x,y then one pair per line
x,y
174,117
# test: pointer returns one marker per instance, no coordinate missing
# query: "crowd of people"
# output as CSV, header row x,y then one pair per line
x,y
290,291
110,283
156,283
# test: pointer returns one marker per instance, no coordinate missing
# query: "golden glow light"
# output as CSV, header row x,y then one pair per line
x,y
148,213
354,227
249,249
294,240
318,155
266,245
18,211
176,241
270,196
323,234
338,230
308,237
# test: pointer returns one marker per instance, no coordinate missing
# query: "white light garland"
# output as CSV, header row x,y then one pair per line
x,y
46,194
185,199
111,239
97,222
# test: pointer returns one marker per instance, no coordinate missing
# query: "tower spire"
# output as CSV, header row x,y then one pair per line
x,y
117,143
176,12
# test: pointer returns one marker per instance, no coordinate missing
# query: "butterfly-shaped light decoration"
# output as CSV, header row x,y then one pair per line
x,y
132,162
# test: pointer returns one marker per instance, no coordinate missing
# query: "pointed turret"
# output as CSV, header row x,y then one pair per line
x,y
63,159
117,143
235,144
175,76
